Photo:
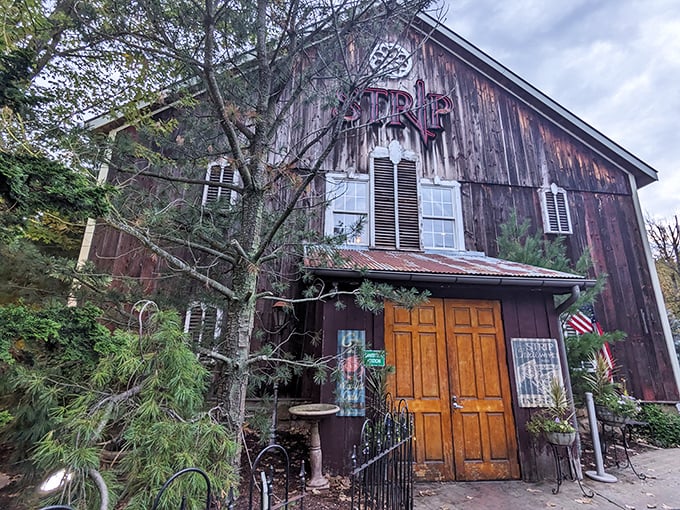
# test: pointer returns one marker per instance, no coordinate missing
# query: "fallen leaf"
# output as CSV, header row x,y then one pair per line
x,y
534,490
550,503
651,505
584,501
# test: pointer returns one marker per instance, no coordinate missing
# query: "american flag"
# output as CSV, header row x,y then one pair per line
x,y
581,323
584,321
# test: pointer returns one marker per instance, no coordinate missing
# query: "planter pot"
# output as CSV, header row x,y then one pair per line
x,y
606,415
560,438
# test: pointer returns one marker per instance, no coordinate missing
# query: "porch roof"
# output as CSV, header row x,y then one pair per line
x,y
456,267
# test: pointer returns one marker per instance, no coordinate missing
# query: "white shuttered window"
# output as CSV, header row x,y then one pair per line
x,y
556,217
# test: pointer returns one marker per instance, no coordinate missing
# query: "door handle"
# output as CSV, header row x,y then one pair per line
x,y
455,404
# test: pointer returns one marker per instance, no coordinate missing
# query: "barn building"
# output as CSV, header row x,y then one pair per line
x,y
444,150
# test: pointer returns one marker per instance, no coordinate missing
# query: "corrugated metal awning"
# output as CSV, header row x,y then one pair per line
x,y
459,267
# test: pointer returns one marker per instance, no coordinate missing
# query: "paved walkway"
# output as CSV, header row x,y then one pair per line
x,y
660,490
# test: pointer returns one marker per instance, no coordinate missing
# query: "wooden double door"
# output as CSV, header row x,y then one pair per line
x,y
450,366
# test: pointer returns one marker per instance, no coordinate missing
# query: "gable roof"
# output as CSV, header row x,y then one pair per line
x,y
538,101
454,268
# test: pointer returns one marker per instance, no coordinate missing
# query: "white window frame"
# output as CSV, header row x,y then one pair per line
x,y
219,314
457,217
221,192
548,197
333,181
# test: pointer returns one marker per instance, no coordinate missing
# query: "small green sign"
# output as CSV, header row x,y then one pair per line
x,y
374,358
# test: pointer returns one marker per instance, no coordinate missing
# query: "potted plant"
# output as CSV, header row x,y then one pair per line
x,y
613,404
554,421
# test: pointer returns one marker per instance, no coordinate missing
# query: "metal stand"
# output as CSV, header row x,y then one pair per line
x,y
623,428
560,454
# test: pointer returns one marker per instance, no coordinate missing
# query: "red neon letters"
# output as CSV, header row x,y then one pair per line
x,y
391,106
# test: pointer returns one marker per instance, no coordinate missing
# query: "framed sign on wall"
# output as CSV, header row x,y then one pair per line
x,y
537,362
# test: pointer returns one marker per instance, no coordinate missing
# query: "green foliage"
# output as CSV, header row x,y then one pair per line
x,y
622,404
42,349
66,339
15,73
127,406
516,244
5,418
606,392
557,416
663,426
581,350
31,186
371,296
599,381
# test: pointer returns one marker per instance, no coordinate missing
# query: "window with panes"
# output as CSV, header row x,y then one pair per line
x,y
349,218
394,209
440,215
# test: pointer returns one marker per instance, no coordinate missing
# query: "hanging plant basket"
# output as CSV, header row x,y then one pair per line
x,y
560,438
608,416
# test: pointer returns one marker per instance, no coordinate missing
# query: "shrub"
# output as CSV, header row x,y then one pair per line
x,y
663,427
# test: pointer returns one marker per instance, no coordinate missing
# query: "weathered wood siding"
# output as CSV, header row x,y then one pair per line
x,y
503,151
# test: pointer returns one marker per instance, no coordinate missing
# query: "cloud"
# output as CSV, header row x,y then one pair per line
x,y
614,63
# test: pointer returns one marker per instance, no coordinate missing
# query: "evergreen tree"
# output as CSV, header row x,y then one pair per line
x,y
225,78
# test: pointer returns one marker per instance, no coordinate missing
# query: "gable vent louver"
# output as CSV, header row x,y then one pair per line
x,y
219,174
556,217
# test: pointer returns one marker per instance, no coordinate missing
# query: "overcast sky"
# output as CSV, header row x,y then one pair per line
x,y
613,63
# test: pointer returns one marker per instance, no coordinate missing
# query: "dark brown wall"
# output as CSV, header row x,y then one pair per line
x,y
503,151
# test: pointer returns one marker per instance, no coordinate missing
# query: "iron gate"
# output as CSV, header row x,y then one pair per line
x,y
382,468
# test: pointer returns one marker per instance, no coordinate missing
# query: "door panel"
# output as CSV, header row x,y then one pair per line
x,y
415,346
453,348
478,376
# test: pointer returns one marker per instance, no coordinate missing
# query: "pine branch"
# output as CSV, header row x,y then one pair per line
x,y
179,264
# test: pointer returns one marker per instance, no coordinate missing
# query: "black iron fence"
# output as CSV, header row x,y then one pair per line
x,y
382,467
265,493
381,477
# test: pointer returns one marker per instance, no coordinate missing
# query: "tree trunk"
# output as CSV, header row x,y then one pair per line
x,y
231,378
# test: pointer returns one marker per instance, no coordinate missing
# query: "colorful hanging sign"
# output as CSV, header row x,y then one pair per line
x,y
351,389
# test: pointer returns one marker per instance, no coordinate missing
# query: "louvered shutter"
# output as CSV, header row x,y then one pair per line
x,y
202,323
556,218
384,206
408,222
562,212
194,322
551,211
220,174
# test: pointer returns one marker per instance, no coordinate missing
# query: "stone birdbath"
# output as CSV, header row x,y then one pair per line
x,y
314,413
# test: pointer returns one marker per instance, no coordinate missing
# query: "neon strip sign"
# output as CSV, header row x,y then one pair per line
x,y
424,111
